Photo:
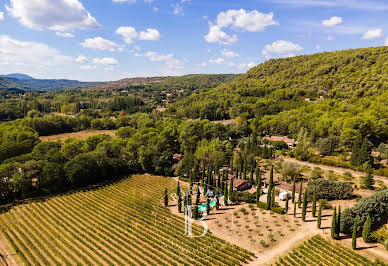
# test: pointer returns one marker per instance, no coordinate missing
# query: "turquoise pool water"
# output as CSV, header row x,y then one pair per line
x,y
202,208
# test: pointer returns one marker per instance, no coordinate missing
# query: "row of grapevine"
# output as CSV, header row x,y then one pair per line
x,y
319,251
117,224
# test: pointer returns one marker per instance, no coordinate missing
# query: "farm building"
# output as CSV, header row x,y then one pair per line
x,y
288,141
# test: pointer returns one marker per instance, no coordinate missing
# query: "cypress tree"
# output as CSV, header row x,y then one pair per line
x,y
217,203
231,165
286,207
295,209
237,173
180,204
338,222
198,198
304,207
230,189
207,205
226,195
368,181
319,219
257,195
300,194
273,198
269,197
314,206
178,190
271,177
203,176
195,212
258,175
366,230
333,224
354,234
245,173
293,190
166,197
251,176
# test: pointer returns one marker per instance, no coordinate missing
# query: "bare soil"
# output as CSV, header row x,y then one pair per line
x,y
78,135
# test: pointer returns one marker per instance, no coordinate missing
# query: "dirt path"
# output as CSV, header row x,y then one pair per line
x,y
269,256
338,170
8,256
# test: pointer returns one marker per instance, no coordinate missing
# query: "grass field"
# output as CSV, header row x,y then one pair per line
x,y
319,251
78,135
117,224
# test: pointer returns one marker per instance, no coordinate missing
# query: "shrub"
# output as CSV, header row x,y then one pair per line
x,y
278,210
380,235
376,206
330,190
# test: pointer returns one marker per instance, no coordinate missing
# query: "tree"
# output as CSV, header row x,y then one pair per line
x,y
178,190
366,231
354,234
338,222
230,190
316,173
271,177
300,194
325,146
286,205
295,209
273,200
207,205
368,181
258,190
269,198
319,219
314,205
195,212
304,207
166,197
179,204
334,224
217,203
226,195
293,190
302,148
198,198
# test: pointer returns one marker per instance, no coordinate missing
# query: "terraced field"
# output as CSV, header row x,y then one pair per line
x,y
117,224
318,251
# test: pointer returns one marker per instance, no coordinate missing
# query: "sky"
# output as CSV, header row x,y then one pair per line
x,y
104,40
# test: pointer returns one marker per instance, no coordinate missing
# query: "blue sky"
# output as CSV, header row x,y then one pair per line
x,y
99,40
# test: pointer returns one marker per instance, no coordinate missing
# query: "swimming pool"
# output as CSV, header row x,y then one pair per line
x,y
202,208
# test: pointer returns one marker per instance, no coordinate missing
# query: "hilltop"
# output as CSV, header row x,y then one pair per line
x,y
166,83
342,93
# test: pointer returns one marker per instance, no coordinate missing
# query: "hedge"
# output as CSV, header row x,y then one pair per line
x,y
330,190
376,206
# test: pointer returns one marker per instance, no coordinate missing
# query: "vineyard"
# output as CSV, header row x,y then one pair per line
x,y
116,224
318,251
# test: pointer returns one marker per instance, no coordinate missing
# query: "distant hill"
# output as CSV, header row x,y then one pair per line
x,y
342,93
8,84
194,81
52,84
18,76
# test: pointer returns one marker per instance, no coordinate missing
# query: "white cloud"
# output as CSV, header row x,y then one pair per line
x,y
168,59
64,34
253,21
150,35
99,43
110,61
373,34
331,22
82,59
177,9
229,54
386,41
216,35
38,59
218,61
1,15
245,66
56,15
128,33
281,48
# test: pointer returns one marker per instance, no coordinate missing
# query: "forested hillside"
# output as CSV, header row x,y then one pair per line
x,y
343,93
